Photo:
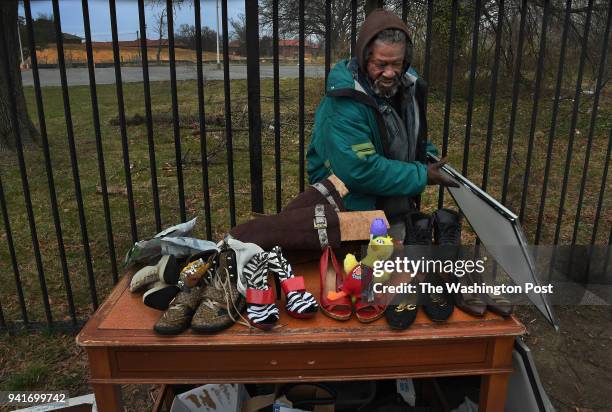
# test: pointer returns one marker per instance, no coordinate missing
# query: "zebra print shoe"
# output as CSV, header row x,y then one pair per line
x,y
300,303
262,311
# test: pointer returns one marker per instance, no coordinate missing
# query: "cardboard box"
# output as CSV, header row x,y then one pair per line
x,y
356,225
211,398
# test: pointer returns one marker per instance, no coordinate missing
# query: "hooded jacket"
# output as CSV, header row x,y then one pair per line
x,y
351,140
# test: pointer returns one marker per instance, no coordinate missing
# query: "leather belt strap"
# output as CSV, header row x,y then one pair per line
x,y
320,224
323,190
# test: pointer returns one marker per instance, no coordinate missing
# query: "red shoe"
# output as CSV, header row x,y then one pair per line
x,y
262,311
331,281
367,312
261,308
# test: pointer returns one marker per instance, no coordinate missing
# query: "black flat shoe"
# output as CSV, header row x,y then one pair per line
x,y
437,306
402,311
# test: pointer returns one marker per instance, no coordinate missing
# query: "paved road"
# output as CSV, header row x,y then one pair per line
x,y
106,75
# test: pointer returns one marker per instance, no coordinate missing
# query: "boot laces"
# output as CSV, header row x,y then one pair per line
x,y
222,282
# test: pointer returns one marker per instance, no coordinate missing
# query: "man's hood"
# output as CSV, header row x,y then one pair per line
x,y
340,77
377,21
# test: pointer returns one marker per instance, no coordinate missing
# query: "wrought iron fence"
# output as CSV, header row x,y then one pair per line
x,y
16,309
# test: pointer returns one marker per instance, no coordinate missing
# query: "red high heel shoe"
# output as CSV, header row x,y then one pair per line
x,y
331,281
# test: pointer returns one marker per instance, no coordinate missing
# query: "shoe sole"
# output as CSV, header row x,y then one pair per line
x,y
296,315
370,320
211,329
395,327
438,320
334,316
263,326
160,297
169,332
499,312
170,271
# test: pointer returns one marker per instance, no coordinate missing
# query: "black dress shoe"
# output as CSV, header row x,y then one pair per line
x,y
498,304
437,306
470,303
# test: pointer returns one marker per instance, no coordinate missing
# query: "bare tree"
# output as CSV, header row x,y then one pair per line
x,y
161,20
239,32
314,21
161,29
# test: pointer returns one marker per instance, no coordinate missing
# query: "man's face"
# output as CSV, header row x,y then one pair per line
x,y
385,65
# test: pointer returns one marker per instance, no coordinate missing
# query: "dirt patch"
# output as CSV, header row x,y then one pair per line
x,y
575,364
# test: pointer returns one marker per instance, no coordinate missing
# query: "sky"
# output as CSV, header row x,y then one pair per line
x,y
127,16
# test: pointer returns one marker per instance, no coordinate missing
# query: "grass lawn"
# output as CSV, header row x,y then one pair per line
x,y
51,361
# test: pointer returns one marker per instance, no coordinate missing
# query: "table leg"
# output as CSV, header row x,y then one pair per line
x,y
493,391
108,397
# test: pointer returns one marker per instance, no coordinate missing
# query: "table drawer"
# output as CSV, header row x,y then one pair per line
x,y
299,361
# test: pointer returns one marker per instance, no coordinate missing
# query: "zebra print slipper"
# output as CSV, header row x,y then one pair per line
x,y
262,311
300,303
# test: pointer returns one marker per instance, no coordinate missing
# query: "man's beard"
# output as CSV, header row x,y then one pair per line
x,y
385,92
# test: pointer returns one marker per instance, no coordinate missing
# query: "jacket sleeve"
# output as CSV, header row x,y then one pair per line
x,y
353,158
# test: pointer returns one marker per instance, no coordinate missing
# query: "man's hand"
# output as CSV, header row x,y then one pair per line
x,y
436,177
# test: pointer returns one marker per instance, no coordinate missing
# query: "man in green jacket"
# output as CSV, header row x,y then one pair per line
x,y
371,128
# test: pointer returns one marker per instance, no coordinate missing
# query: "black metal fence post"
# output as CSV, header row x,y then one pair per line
x,y
328,45
202,116
353,27
175,112
228,116
427,59
254,103
301,29
277,125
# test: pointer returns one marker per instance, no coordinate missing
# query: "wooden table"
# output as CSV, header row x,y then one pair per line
x,y
122,348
